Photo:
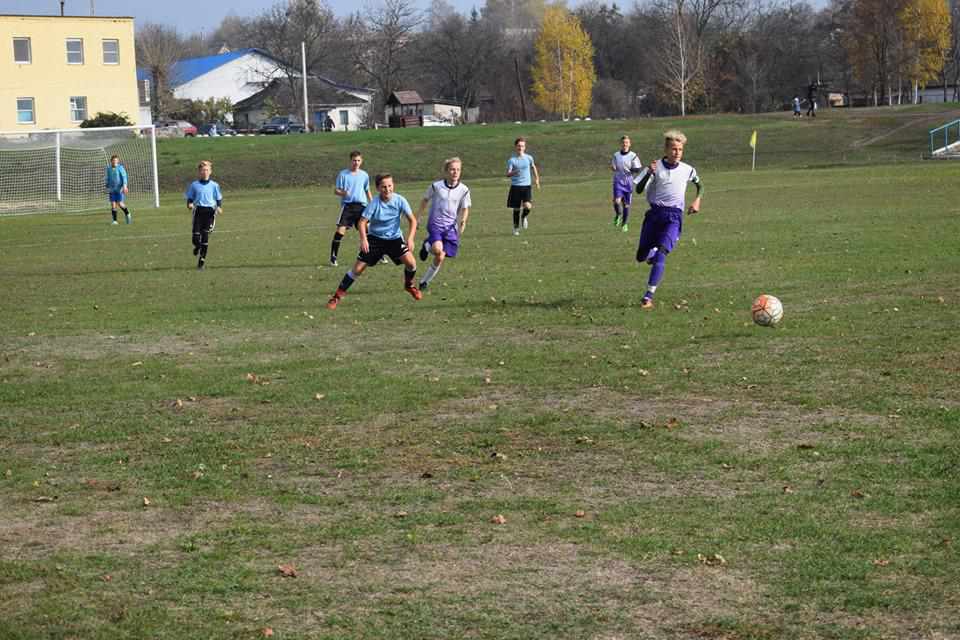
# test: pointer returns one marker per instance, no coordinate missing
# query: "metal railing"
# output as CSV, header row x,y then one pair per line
x,y
944,130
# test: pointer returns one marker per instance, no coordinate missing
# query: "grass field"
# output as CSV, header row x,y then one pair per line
x,y
169,438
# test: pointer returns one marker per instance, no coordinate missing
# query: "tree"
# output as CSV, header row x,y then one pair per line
x,y
455,54
925,25
872,43
680,59
280,31
106,119
380,44
158,49
563,73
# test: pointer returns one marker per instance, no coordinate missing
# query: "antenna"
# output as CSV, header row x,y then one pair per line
x,y
62,2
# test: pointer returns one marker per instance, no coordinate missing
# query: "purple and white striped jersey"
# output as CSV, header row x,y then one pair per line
x,y
446,202
667,188
622,163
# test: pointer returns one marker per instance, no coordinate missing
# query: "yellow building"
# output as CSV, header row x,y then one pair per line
x,y
55,71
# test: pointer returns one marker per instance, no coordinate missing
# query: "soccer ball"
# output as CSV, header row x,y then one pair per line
x,y
767,310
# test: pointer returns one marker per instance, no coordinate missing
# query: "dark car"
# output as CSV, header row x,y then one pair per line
x,y
281,124
222,129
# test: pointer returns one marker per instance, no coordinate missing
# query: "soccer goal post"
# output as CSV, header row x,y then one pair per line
x,y
64,170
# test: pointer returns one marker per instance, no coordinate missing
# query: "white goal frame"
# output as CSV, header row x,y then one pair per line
x,y
91,194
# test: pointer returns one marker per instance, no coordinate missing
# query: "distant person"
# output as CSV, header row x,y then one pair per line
x,y
328,123
353,188
796,107
205,201
519,169
812,99
213,130
449,202
382,219
116,185
666,183
624,165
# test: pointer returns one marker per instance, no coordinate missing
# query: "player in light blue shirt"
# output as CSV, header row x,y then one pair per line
x,y
116,184
353,188
519,169
380,236
206,202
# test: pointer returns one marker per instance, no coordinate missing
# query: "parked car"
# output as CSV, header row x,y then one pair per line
x,y
175,129
282,124
223,129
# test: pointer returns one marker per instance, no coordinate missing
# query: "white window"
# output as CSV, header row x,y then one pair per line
x,y
344,118
25,111
78,108
74,50
111,52
21,51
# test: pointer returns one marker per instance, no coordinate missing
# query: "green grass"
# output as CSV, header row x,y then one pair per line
x,y
818,458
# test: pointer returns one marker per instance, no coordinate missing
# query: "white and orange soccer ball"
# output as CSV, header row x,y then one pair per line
x,y
767,310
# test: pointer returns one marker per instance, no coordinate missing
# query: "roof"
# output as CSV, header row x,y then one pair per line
x,y
319,92
51,15
340,85
190,68
405,97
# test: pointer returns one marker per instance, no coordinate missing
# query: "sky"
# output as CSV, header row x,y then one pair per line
x,y
183,14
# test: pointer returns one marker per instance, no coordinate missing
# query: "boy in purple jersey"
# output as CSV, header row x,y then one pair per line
x,y
624,165
666,182
448,199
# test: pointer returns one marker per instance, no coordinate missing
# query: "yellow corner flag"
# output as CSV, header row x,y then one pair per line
x,y
753,140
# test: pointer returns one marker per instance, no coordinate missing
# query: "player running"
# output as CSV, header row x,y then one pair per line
x,y
380,236
519,168
624,165
448,199
353,188
666,183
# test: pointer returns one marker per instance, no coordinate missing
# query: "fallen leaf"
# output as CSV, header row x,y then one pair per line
x,y
319,396
805,445
146,501
496,455
643,372
137,364
713,560
178,404
498,519
267,632
106,577
287,570
881,562
857,493
426,475
580,513
672,423
788,489
45,499
400,514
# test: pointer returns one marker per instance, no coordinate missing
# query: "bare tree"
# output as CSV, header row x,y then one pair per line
x,y
381,44
680,62
158,48
281,30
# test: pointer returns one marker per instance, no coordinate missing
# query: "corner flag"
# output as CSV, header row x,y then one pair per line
x,y
753,140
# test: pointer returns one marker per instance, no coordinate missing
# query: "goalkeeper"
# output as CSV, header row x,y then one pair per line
x,y
116,185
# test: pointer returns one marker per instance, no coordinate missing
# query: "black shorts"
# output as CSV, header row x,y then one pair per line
x,y
519,195
395,249
350,214
204,219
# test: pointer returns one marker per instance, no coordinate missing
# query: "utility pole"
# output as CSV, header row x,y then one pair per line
x,y
62,2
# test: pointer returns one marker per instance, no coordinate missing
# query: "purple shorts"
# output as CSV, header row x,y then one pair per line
x,y
448,235
661,228
623,188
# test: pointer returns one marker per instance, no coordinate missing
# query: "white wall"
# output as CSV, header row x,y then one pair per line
x,y
444,111
355,116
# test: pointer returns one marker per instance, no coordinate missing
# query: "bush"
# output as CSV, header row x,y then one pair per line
x,y
108,119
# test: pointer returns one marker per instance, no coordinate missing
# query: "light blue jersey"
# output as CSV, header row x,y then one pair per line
x,y
385,217
204,194
116,178
520,164
355,184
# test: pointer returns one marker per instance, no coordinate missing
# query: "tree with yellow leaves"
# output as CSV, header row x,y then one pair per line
x,y
563,74
926,40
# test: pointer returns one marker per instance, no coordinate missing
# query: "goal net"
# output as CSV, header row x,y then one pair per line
x,y
65,170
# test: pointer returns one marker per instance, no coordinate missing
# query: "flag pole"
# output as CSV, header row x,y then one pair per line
x,y
754,166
